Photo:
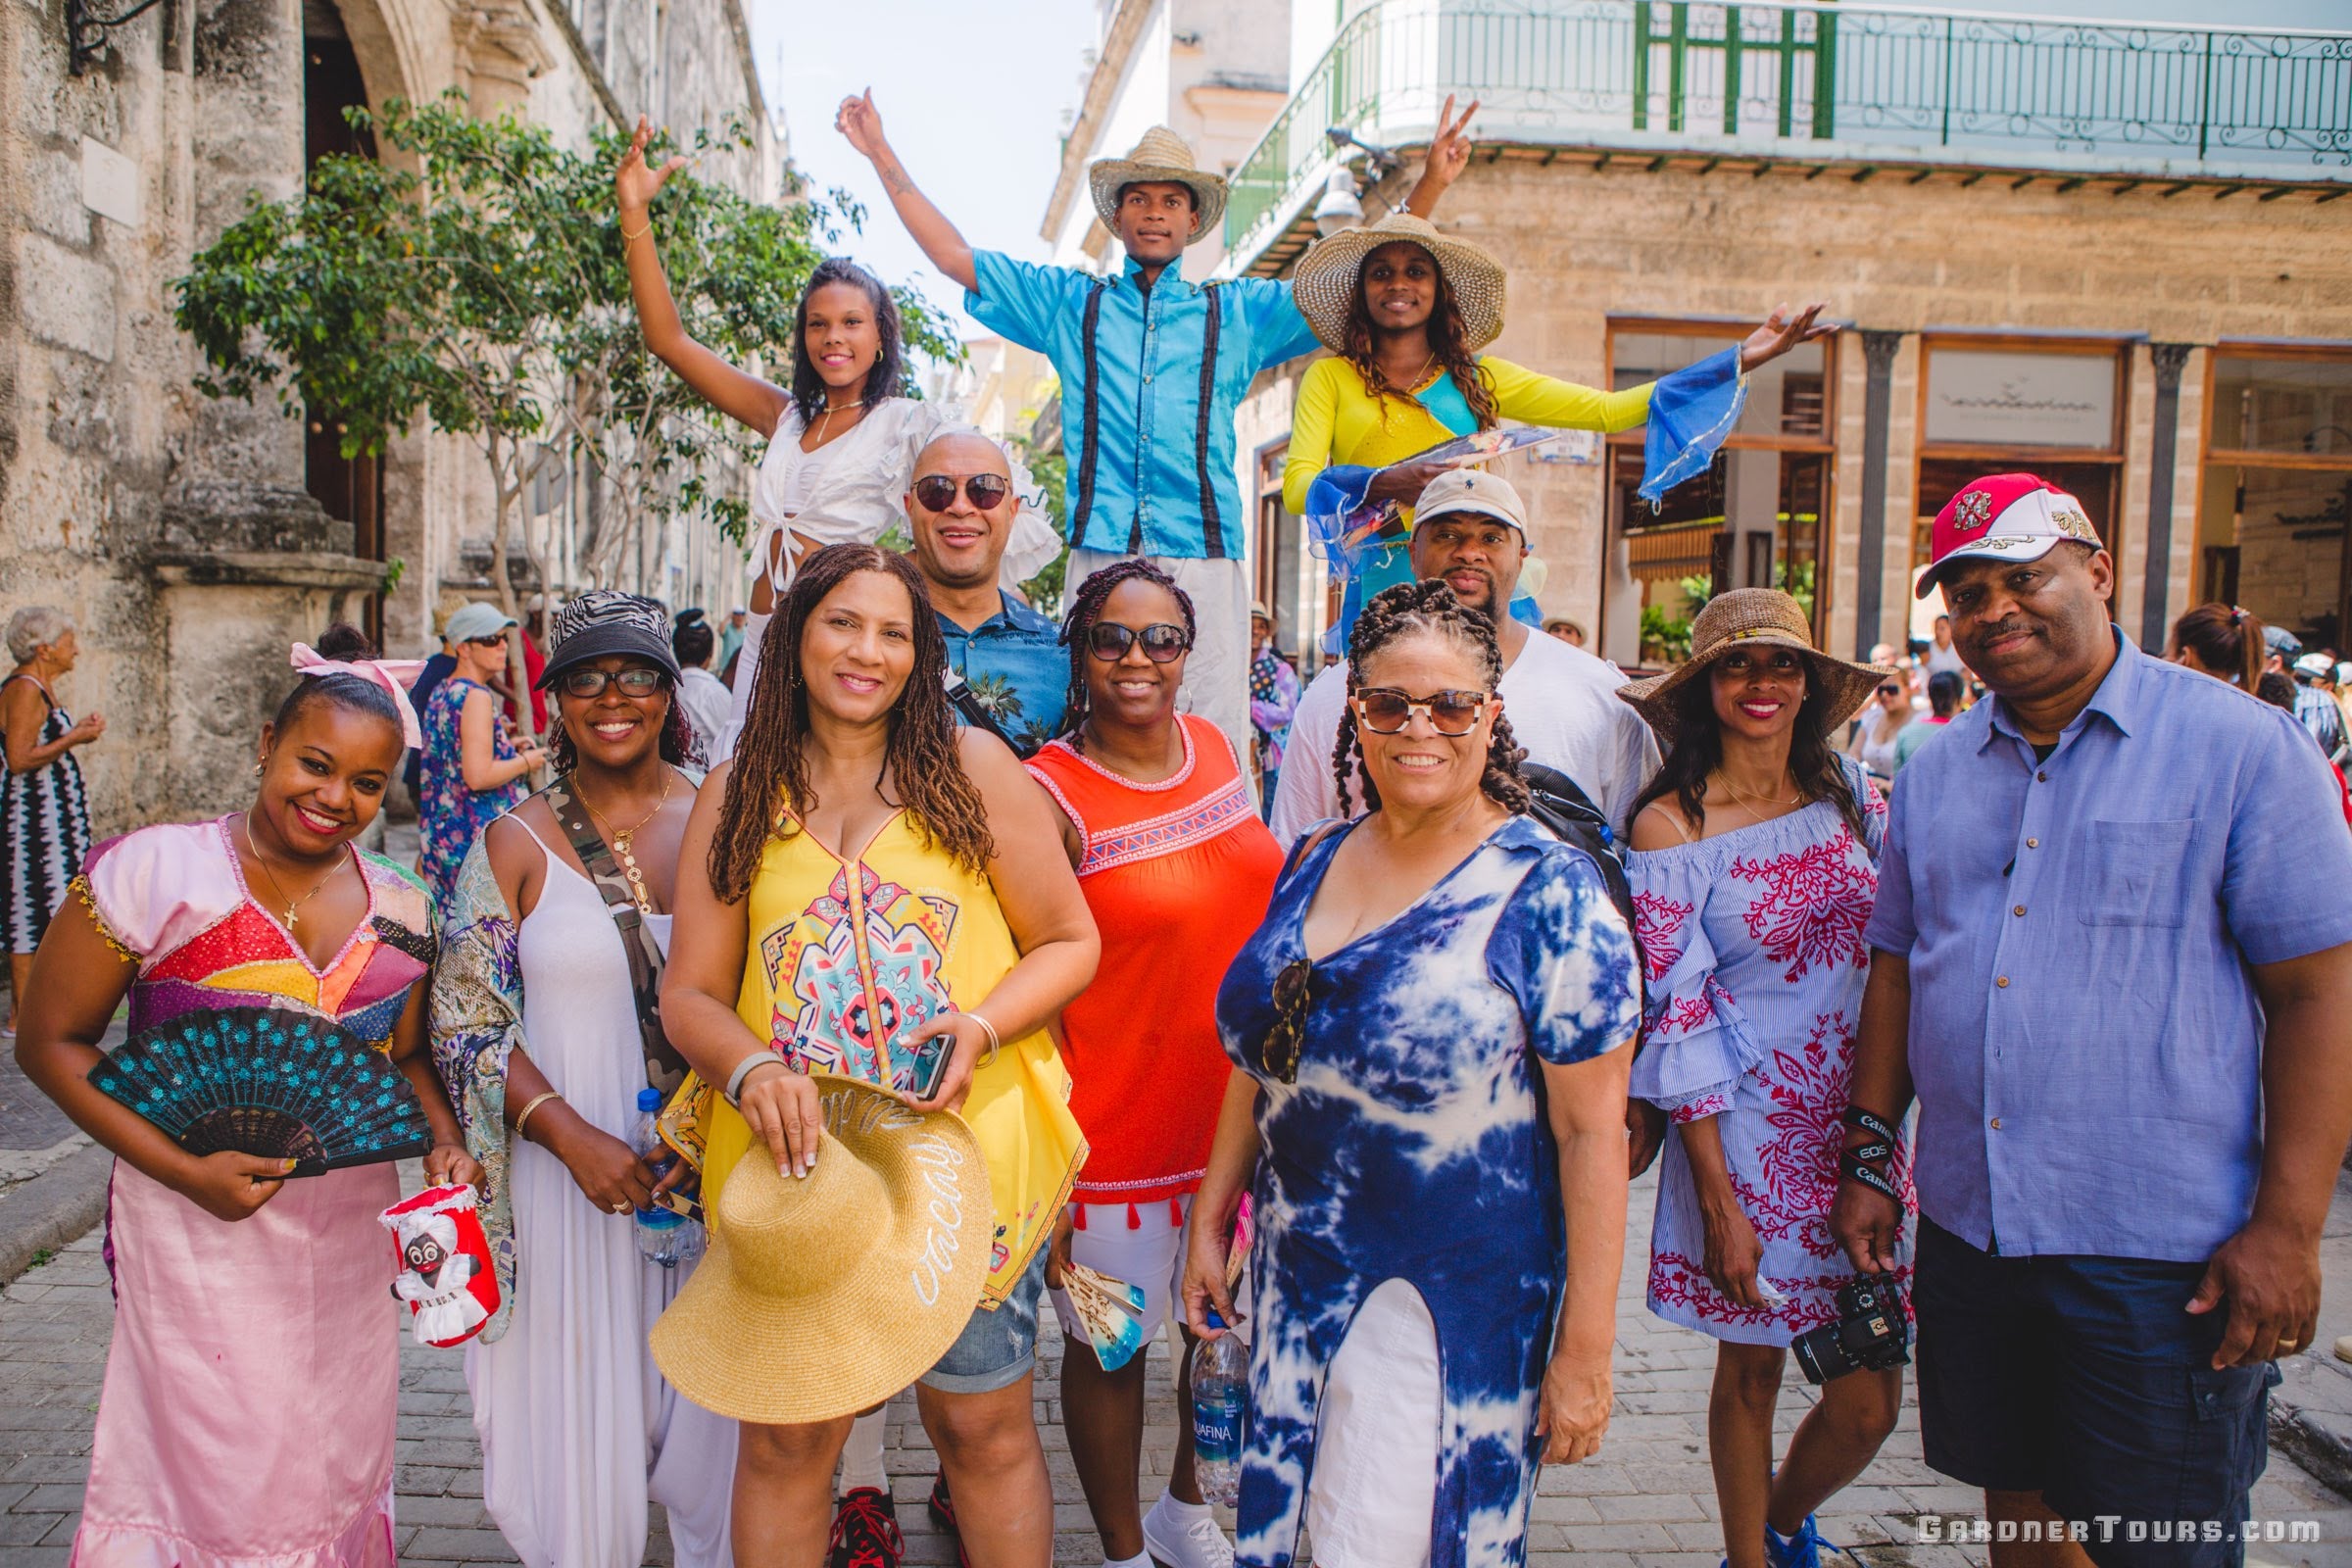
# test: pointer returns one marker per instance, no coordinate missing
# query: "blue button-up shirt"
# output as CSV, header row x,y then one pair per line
x,y
2085,1039
1016,665
1154,466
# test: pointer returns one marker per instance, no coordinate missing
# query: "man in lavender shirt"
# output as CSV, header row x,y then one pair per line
x,y
2118,973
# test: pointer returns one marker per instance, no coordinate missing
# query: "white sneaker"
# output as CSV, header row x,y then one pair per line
x,y
1185,1538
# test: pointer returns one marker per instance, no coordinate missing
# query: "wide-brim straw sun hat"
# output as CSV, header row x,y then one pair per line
x,y
1161,158
1327,276
826,1294
1746,617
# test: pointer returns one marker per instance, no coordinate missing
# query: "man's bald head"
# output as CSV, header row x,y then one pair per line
x,y
959,542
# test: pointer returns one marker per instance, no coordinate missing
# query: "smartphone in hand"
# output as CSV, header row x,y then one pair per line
x,y
930,1070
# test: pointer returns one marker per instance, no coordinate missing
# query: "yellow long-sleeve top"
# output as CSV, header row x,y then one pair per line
x,y
1337,422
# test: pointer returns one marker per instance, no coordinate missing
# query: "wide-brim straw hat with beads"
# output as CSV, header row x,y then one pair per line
x,y
1750,617
826,1294
1327,276
1161,158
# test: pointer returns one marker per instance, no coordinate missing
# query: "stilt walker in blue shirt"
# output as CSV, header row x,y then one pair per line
x,y
1151,368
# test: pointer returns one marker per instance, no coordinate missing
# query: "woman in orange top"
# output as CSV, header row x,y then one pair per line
x,y
1177,869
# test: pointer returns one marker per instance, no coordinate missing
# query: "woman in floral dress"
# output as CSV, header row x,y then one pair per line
x,y
472,773
1754,869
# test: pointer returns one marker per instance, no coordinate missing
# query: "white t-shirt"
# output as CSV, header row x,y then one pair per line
x,y
1563,708
707,704
1939,658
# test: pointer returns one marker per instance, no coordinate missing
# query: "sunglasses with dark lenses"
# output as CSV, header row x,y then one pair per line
x,y
1890,691
634,681
1162,642
936,492
1293,987
494,640
1385,710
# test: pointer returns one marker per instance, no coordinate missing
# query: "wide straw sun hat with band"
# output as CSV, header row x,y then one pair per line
x,y
826,1294
1755,618
1328,276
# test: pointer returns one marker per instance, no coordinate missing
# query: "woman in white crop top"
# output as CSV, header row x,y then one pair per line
x,y
842,439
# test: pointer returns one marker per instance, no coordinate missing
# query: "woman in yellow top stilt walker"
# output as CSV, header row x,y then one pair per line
x,y
865,886
1407,308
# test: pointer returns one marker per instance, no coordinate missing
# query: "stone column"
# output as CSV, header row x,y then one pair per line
x,y
1870,564
2164,441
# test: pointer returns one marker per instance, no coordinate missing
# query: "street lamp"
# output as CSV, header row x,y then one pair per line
x,y
1339,209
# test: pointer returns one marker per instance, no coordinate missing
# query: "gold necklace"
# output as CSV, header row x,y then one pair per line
x,y
275,887
622,837
1751,802
823,421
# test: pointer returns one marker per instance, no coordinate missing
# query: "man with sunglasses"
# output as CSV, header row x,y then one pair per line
x,y
1470,532
961,506
1152,368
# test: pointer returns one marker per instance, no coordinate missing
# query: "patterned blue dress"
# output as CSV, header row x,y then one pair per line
x,y
1413,1146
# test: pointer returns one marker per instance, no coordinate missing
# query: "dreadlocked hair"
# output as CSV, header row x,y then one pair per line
x,y
678,735
1448,342
1077,626
1427,609
1698,751
768,790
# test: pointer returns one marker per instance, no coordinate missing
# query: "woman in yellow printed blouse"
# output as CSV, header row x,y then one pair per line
x,y
1406,308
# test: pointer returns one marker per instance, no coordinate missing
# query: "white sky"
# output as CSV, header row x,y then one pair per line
x,y
972,97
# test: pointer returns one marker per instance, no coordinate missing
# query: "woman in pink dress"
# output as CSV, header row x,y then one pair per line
x,y
252,1385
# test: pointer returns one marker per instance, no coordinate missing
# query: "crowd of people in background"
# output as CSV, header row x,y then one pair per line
x,y
945,958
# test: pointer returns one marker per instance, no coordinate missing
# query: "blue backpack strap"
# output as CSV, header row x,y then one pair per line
x,y
1088,442
1212,530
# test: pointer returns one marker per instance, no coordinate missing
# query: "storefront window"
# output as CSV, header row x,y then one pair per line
x,y
1755,519
2277,491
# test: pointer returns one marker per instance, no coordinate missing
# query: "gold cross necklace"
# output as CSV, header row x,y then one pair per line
x,y
263,865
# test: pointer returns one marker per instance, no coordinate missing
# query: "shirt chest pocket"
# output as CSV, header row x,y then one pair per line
x,y
2134,873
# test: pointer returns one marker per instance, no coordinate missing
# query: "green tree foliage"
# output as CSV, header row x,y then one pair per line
x,y
476,280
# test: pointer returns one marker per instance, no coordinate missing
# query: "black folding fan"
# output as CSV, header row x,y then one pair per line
x,y
271,1082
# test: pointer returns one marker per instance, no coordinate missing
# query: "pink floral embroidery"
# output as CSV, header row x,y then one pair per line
x,y
1656,920
1679,1281
1705,1105
1814,906
1688,1014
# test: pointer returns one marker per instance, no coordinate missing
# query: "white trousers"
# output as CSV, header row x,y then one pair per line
x,y
1375,1482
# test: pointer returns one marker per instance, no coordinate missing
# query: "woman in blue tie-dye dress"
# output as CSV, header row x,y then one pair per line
x,y
1430,1027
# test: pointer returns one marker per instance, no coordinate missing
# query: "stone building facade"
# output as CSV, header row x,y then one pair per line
x,y
192,540
2111,251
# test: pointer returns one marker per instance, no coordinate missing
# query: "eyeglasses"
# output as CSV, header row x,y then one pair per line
x,y
1890,691
1293,988
1383,710
634,681
1162,643
936,492
494,640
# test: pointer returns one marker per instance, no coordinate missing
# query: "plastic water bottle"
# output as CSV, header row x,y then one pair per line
x,y
1220,1392
664,1237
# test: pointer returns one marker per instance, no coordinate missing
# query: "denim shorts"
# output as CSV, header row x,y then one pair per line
x,y
996,1350
2082,1379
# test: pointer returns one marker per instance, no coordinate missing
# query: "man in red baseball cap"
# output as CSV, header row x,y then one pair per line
x,y
2112,965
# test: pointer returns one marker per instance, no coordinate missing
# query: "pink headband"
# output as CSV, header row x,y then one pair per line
x,y
394,675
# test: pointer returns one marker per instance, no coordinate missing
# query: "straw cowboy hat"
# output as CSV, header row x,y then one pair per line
x,y
1161,157
826,1294
1745,618
1326,280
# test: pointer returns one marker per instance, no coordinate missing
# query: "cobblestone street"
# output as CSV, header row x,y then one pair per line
x,y
1646,1500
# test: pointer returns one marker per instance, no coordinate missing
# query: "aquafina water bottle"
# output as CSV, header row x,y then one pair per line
x,y
1221,1392
664,1237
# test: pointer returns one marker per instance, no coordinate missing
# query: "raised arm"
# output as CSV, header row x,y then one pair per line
x,y
941,240
735,393
1448,155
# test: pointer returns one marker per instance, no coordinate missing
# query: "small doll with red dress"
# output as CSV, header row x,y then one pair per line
x,y
445,1273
